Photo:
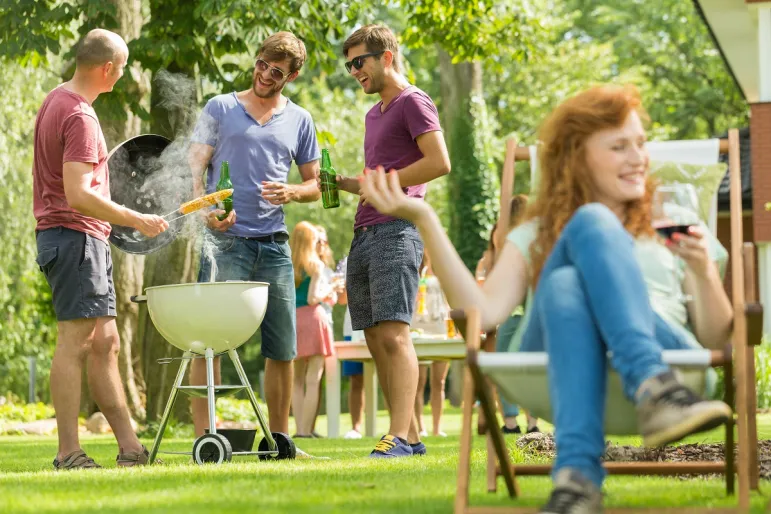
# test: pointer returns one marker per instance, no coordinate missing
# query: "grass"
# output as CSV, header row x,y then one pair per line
x,y
347,482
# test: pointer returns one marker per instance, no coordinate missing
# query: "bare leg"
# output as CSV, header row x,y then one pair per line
x,y
356,402
199,406
395,345
72,343
313,372
531,421
438,376
298,393
422,377
278,393
105,384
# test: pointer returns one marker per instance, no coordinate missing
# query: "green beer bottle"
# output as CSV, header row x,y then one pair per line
x,y
330,195
225,183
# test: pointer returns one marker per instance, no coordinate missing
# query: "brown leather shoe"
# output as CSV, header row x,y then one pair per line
x,y
76,460
130,459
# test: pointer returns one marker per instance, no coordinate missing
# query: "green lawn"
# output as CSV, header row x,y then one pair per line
x,y
347,482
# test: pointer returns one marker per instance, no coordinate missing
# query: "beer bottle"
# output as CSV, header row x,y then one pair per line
x,y
225,183
330,195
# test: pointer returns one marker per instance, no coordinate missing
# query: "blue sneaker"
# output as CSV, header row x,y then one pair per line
x,y
418,448
390,446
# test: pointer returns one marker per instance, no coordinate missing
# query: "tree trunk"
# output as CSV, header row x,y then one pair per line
x,y
118,126
473,183
172,116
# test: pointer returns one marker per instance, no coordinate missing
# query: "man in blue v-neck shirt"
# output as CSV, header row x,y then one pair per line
x,y
259,132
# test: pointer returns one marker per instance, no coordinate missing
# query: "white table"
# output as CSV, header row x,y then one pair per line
x,y
427,347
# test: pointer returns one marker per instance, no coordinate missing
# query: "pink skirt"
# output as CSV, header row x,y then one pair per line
x,y
314,335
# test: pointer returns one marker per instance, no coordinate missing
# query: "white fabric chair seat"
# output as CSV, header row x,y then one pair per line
x,y
521,378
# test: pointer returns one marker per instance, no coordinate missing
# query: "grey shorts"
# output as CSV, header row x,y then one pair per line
x,y
78,268
382,277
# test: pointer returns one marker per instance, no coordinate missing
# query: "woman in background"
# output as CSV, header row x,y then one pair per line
x,y
314,336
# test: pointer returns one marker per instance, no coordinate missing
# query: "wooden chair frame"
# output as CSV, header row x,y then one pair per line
x,y
737,361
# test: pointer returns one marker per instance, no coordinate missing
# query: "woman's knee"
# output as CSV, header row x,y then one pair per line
x,y
596,219
561,289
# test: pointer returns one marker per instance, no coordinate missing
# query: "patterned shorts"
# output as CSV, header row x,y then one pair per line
x,y
382,276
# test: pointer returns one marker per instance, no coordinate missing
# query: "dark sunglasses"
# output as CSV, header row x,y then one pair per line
x,y
276,74
358,62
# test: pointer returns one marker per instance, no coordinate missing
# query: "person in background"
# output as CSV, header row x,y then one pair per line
x,y
73,210
590,260
508,328
355,371
314,336
338,288
435,313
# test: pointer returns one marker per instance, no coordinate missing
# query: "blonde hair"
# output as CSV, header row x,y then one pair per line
x,y
284,45
326,254
565,179
305,258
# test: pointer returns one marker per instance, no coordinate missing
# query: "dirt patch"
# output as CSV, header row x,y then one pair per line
x,y
543,445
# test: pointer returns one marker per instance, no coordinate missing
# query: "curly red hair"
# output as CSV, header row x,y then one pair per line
x,y
564,178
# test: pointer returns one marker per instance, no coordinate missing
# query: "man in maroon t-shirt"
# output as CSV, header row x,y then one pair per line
x,y
402,133
73,210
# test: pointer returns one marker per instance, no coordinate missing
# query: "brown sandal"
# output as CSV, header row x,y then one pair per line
x,y
130,459
76,460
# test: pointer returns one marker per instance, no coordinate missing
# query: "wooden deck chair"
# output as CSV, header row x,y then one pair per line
x,y
522,378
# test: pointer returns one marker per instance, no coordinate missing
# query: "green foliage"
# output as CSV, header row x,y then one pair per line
x,y
687,89
25,413
27,322
471,30
233,409
474,184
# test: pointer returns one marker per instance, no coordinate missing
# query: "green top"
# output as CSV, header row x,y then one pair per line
x,y
301,292
657,264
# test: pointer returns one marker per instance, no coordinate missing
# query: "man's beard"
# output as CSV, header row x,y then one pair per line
x,y
274,90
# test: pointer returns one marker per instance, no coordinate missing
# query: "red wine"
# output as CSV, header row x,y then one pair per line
x,y
667,231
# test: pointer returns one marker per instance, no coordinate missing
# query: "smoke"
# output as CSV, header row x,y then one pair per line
x,y
153,183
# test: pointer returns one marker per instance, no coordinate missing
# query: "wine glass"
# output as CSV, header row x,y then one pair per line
x,y
675,209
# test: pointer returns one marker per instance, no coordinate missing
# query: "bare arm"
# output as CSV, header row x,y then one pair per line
x,y
507,284
77,177
434,163
319,288
198,159
307,191
710,310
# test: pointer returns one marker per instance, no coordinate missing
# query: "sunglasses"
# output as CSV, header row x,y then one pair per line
x,y
276,74
358,62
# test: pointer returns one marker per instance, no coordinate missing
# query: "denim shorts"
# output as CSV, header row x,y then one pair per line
x,y
239,258
352,368
78,267
382,276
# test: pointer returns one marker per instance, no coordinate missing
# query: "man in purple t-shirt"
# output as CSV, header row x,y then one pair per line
x,y
402,133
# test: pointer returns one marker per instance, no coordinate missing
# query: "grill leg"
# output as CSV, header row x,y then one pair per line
x,y
210,393
170,405
253,399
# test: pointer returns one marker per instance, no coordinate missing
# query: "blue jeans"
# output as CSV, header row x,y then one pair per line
x,y
506,331
591,299
245,259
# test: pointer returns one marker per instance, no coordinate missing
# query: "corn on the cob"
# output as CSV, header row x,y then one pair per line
x,y
204,201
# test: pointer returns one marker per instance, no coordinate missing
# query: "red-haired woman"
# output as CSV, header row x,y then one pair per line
x,y
593,270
